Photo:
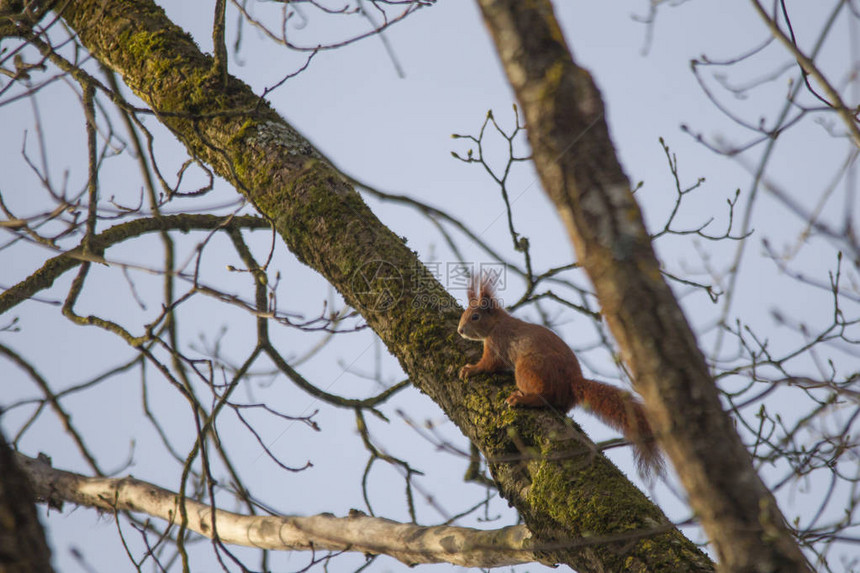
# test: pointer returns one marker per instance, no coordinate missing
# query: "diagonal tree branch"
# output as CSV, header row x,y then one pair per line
x,y
55,267
543,464
810,68
411,544
580,171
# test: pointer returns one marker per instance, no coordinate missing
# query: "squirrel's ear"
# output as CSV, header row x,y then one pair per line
x,y
488,295
472,291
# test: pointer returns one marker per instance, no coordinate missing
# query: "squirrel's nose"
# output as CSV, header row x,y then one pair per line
x,y
460,330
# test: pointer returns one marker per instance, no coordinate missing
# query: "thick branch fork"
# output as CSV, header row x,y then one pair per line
x,y
411,544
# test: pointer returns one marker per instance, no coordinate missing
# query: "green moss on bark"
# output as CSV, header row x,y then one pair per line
x,y
328,226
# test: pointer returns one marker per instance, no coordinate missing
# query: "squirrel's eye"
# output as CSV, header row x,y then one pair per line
x,y
476,316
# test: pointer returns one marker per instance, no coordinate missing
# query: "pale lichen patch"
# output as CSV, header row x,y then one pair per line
x,y
275,133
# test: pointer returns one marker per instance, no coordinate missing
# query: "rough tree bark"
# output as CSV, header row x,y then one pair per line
x,y
580,509
23,548
581,173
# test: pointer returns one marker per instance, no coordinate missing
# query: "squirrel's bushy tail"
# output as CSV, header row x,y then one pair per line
x,y
622,411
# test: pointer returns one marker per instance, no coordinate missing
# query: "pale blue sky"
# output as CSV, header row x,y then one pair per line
x,y
395,133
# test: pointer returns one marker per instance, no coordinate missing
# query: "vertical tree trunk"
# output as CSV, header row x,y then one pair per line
x,y
580,171
23,548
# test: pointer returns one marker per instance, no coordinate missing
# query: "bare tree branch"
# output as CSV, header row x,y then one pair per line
x,y
53,268
834,99
411,544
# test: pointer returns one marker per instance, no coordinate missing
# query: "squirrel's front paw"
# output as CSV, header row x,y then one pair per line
x,y
466,370
514,398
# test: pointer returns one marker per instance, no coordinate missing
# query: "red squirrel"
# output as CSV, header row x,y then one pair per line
x,y
548,373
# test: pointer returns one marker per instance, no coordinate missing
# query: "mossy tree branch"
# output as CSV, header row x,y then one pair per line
x,y
564,489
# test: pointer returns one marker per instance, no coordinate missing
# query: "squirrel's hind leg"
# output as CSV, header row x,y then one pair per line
x,y
519,400
540,385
